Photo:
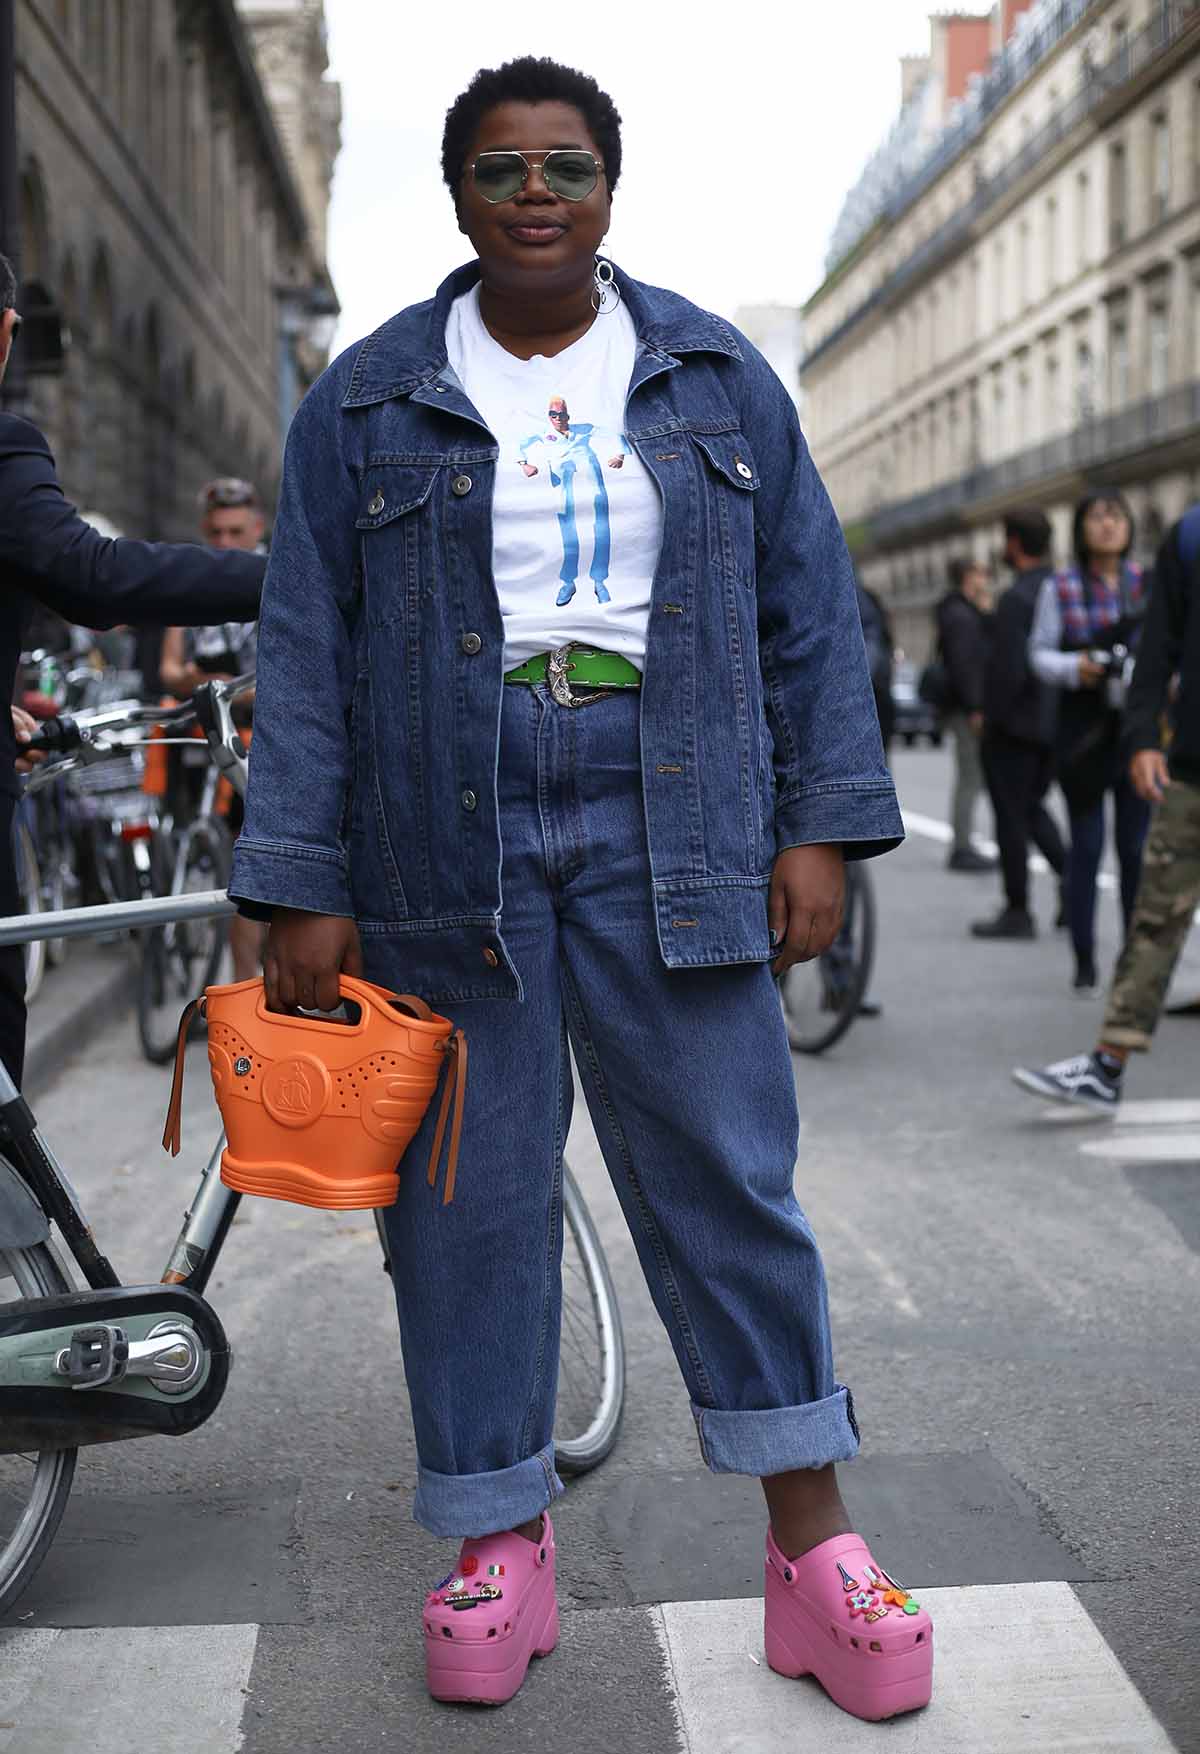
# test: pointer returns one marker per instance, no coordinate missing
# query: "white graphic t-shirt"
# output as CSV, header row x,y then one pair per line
x,y
577,518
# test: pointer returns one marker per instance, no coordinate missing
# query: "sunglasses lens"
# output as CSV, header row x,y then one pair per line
x,y
572,175
499,175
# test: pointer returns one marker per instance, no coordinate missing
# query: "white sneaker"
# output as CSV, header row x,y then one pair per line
x,y
1079,1081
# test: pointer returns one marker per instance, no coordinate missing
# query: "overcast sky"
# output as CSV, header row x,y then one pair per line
x,y
743,126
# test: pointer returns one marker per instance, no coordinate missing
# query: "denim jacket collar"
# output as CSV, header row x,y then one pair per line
x,y
409,350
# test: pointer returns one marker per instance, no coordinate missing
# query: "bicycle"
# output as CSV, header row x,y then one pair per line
x,y
115,1362
821,998
182,958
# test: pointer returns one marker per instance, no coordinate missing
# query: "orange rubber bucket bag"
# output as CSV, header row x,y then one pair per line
x,y
318,1111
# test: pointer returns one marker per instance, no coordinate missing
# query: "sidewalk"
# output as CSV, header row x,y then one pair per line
x,y
94,987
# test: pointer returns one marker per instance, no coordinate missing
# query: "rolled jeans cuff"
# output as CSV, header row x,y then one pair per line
x,y
485,1504
777,1439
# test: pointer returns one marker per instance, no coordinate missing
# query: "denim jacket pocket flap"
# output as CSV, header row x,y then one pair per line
x,y
730,456
389,492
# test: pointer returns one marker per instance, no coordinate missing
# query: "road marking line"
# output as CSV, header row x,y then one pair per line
x,y
182,1685
1019,1666
933,829
893,1284
1145,1147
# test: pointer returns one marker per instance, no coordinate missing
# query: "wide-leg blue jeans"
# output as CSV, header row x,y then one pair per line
x,y
689,1084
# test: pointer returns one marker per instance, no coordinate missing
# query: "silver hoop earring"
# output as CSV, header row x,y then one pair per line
x,y
606,294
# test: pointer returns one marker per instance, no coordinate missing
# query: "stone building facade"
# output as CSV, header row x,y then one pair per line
x,y
1014,310
170,215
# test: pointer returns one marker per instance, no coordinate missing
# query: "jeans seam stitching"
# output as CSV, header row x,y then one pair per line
x,y
554,1224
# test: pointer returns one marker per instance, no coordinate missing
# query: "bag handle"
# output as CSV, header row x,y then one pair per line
x,y
455,1048
175,1106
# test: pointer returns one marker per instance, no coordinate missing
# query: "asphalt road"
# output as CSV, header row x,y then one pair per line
x,y
1015,1306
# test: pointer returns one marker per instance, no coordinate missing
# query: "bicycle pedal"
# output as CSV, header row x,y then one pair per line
x,y
95,1356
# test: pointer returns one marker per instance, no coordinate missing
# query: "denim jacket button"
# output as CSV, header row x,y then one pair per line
x,y
490,957
469,800
471,643
461,484
743,469
376,505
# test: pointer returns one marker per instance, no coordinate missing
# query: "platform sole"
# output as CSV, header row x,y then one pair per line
x,y
486,1684
906,1683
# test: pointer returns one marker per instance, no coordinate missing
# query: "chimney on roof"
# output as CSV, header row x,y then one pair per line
x,y
1010,11
913,70
961,45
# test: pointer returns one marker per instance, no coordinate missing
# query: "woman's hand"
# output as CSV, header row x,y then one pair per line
x,y
1149,775
24,726
305,955
1091,674
804,905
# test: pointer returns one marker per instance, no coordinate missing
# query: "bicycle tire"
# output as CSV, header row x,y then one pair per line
x,y
861,912
37,1274
178,962
578,1451
29,882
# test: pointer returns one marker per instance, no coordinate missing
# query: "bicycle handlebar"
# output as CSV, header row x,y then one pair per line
x,y
78,738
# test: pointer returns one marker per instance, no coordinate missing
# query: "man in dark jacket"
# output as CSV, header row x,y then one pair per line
x,y
962,627
49,555
1018,729
1169,892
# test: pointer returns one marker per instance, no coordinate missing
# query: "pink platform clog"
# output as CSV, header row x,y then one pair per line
x,y
495,1611
835,1614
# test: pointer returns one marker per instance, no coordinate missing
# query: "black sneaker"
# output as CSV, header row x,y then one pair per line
x,y
1086,984
1080,1081
1010,922
967,859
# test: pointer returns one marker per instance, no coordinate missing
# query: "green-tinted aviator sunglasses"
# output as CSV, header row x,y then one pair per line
x,y
565,171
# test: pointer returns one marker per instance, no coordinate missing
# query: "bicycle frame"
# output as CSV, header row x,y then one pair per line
x,y
210,1213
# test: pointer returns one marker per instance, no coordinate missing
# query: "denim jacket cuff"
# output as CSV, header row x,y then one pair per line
x,y
285,875
864,820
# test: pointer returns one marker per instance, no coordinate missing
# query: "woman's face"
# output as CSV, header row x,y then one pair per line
x,y
536,241
1105,528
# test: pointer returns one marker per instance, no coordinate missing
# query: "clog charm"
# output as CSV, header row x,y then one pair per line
x,y
862,1602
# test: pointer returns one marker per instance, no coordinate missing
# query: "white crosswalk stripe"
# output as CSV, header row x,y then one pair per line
x,y
125,1690
1020,1667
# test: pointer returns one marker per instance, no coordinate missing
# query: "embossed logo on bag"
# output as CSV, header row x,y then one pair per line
x,y
295,1090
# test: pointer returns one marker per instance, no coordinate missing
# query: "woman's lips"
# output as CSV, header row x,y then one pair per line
x,y
541,232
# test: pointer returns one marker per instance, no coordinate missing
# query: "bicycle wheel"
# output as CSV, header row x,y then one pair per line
x,y
821,998
34,1487
591,1363
179,961
29,882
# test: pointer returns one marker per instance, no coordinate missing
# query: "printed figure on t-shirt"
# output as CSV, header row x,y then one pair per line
x,y
568,448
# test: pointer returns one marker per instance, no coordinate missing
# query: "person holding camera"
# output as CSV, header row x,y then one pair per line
x,y
1165,689
1085,629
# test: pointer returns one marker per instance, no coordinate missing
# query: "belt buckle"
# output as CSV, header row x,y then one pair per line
x,y
558,669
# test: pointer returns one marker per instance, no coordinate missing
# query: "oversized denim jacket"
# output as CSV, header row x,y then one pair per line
x,y
380,667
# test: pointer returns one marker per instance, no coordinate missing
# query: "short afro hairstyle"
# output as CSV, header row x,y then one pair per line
x,y
532,79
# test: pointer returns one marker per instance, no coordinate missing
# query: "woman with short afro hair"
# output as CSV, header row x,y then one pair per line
x,y
565,723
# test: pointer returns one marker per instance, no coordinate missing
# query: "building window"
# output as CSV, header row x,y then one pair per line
x,y
1083,213
1118,195
1085,395
1051,242
1052,422
1158,347
1024,298
1161,154
1196,138
1118,361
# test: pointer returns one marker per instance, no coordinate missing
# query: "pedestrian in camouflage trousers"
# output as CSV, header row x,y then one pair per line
x,y
1169,892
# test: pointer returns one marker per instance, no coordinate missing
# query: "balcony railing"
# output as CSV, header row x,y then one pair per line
x,y
1164,29
1095,444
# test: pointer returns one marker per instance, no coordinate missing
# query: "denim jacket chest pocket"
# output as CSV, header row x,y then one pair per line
x,y
396,538
731,480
